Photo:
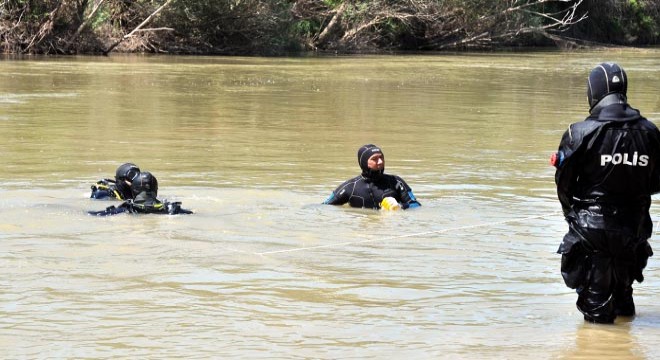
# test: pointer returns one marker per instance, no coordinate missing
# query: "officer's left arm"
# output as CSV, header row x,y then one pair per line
x,y
405,193
565,161
655,156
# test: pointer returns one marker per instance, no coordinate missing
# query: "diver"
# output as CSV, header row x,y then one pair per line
x,y
373,189
607,167
120,187
145,201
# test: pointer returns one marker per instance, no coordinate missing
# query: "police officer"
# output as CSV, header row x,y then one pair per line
x,y
607,167
120,187
373,189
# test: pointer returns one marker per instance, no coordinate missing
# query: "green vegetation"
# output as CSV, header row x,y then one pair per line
x,y
629,22
274,27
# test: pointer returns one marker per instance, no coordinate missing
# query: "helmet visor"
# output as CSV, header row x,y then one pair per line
x,y
131,174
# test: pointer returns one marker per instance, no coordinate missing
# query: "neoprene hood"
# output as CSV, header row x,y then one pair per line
x,y
147,183
363,154
604,79
127,171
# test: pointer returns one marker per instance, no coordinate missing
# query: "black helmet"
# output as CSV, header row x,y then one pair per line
x,y
127,171
145,182
605,79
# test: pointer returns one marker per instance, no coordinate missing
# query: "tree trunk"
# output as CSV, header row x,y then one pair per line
x,y
83,25
332,26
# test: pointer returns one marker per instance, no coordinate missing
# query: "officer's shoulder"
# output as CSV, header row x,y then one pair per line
x,y
580,129
586,124
648,123
393,178
351,181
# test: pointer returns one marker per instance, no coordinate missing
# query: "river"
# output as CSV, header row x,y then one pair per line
x,y
262,269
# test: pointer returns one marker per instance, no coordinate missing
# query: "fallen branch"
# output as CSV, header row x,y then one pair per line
x,y
332,25
156,29
351,34
464,41
17,24
558,21
45,28
83,25
137,29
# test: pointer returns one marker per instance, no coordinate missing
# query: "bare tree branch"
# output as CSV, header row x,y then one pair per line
x,y
17,24
85,23
45,28
332,26
464,41
556,21
106,52
155,29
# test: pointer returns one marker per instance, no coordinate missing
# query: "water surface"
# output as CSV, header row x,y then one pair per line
x,y
253,146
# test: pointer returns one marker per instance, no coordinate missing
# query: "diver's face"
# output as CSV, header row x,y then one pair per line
x,y
376,162
131,175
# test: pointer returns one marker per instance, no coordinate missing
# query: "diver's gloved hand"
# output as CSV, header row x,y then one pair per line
x,y
101,189
100,185
390,203
129,206
126,206
103,184
174,208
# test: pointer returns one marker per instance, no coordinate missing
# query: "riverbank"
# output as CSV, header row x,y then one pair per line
x,y
275,28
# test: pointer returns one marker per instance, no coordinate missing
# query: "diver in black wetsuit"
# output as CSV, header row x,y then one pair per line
x,y
373,189
607,168
120,187
145,188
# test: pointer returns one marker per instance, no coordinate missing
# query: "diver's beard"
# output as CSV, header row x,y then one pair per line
x,y
373,174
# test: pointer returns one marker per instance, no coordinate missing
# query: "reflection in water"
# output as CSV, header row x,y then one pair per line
x,y
261,269
605,342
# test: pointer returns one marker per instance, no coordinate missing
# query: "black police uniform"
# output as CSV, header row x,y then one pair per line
x,y
607,168
370,188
